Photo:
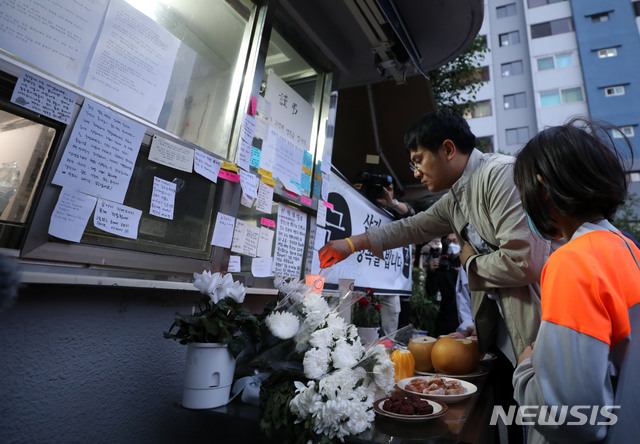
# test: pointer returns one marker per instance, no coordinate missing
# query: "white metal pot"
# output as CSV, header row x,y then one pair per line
x,y
208,375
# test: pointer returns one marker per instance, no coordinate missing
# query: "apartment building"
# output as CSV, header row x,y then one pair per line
x,y
551,60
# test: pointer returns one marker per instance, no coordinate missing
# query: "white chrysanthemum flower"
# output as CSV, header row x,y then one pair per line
x,y
316,363
352,333
306,398
384,376
361,415
335,384
321,338
344,355
329,419
315,304
282,325
337,325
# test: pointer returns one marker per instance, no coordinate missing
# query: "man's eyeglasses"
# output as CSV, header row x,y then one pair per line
x,y
414,167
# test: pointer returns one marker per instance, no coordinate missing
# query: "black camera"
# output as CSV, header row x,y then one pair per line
x,y
372,184
445,260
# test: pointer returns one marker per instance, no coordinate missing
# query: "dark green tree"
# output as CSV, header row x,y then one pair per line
x,y
626,218
455,84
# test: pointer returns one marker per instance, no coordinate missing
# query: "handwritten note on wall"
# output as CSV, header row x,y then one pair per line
x,y
290,241
71,214
43,97
101,153
163,198
133,61
171,154
117,219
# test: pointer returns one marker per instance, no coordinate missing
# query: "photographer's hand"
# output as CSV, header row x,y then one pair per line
x,y
386,199
338,250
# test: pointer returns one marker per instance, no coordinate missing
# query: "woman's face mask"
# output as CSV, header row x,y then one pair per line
x,y
533,228
453,249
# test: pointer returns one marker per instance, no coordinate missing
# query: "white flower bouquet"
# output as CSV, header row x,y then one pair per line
x,y
325,381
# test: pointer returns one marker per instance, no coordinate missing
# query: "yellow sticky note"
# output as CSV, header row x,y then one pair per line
x,y
264,173
228,166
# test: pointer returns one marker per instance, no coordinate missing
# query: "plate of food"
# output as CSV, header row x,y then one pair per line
x,y
409,408
439,388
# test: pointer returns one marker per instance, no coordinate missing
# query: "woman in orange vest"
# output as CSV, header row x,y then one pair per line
x,y
580,380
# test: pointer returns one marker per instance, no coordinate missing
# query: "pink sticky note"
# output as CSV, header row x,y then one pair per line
x,y
328,205
253,106
232,177
267,222
290,194
305,200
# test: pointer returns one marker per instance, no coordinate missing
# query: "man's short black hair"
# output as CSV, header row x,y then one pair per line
x,y
433,128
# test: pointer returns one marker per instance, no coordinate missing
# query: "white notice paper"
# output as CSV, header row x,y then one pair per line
x,y
246,140
321,217
206,165
283,158
265,198
43,97
321,238
133,61
101,153
71,214
56,38
245,238
223,231
249,183
290,113
290,241
265,243
234,264
171,154
262,266
117,219
163,198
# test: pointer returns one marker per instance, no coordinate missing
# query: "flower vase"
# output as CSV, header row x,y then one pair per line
x,y
208,375
368,335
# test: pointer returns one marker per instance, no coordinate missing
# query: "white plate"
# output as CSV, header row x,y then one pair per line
x,y
439,409
469,389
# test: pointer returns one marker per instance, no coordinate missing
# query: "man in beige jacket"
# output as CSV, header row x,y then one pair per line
x,y
503,258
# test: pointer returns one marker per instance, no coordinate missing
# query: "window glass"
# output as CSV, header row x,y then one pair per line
x,y
506,10
597,18
614,91
564,60
561,26
512,68
607,52
554,27
536,3
571,95
545,63
22,165
549,98
485,144
518,100
480,109
625,131
517,136
509,38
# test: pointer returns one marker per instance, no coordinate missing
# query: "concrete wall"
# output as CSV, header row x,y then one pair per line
x,y
90,365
